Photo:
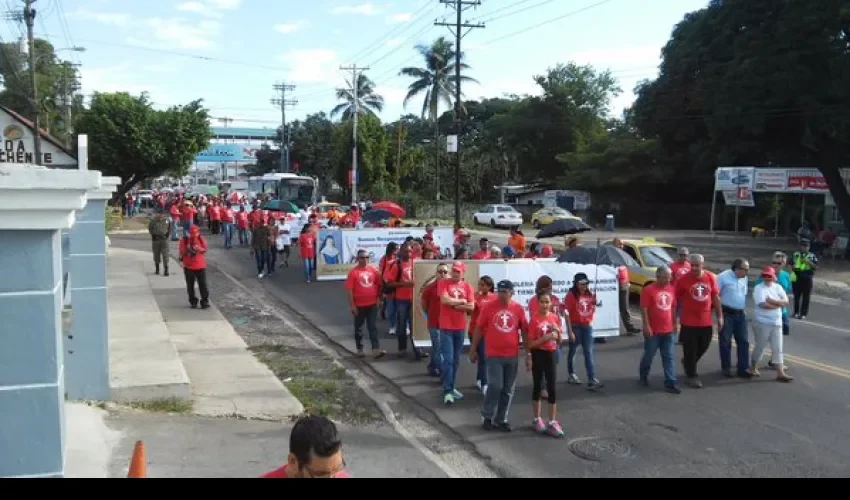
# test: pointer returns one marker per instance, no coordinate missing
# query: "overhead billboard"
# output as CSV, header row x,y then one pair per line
x,y
732,178
227,153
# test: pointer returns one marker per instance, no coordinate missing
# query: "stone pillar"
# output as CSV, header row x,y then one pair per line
x,y
36,203
87,342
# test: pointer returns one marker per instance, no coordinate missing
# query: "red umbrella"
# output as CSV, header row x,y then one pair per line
x,y
389,207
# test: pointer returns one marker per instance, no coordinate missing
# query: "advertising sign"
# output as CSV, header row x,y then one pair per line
x,y
742,197
524,274
223,153
337,248
806,181
732,178
771,180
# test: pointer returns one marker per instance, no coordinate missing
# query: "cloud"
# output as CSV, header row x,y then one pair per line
x,y
180,35
312,65
225,4
393,96
198,8
290,27
366,9
401,18
111,18
394,42
118,78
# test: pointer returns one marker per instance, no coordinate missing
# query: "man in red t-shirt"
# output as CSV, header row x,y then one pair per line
x,y
457,300
502,323
364,287
227,220
658,309
483,252
430,302
315,452
399,277
698,296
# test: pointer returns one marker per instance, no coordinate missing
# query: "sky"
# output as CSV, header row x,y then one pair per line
x,y
232,52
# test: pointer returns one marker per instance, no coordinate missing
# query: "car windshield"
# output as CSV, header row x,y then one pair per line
x,y
656,256
561,211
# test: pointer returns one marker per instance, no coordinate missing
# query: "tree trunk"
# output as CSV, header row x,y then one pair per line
x,y
832,175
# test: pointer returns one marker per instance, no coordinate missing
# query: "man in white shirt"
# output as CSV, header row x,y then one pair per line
x,y
770,299
284,241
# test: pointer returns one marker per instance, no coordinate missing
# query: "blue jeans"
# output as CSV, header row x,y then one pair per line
x,y
309,270
786,324
263,260
734,326
175,230
451,349
391,311
227,227
434,364
186,225
243,237
502,373
403,321
584,337
667,345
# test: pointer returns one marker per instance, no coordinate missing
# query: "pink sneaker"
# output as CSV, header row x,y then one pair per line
x,y
538,426
554,429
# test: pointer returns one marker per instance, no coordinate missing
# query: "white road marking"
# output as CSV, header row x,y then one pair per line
x,y
820,325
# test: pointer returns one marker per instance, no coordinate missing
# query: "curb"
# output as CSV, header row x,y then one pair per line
x,y
129,231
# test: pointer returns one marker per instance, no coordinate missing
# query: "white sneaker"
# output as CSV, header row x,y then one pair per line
x,y
392,331
260,276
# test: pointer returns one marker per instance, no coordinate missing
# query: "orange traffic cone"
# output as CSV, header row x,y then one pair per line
x,y
139,462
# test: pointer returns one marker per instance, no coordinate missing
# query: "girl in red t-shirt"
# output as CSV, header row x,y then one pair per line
x,y
581,308
544,339
307,249
544,286
483,296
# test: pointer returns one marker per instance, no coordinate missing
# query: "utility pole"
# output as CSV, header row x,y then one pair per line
x,y
70,84
354,80
29,17
283,102
460,6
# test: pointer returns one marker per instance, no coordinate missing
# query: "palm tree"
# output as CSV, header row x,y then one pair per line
x,y
436,79
368,102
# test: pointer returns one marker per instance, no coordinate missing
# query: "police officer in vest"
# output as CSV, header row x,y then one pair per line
x,y
804,265
160,228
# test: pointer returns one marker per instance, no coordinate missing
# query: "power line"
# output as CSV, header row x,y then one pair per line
x,y
283,102
502,9
356,72
368,50
550,21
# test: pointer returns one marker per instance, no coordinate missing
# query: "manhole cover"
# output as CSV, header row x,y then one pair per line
x,y
598,449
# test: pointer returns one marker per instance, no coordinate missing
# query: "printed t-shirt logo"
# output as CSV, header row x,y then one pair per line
x,y
682,271
664,301
407,273
585,306
504,321
366,280
700,292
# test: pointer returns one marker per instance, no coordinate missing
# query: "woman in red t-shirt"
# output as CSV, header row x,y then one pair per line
x,y
544,339
429,300
544,286
581,308
483,296
307,249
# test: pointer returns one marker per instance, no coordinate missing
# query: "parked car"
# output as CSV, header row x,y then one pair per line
x,y
546,216
498,216
651,255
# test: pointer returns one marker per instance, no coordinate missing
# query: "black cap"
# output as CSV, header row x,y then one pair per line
x,y
505,285
483,240
579,277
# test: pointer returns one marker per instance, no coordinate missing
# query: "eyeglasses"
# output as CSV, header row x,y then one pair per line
x,y
442,271
775,263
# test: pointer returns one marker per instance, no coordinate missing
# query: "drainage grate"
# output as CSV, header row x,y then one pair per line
x,y
597,449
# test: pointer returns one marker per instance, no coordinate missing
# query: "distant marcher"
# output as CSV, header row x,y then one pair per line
x,y
160,228
228,218
658,308
503,325
783,278
315,452
261,245
804,264
770,299
193,249
364,295
307,251
624,285
733,287
698,295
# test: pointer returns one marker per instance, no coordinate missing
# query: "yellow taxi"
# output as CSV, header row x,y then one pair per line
x,y
650,254
549,215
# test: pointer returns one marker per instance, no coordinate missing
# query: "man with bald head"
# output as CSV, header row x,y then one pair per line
x,y
698,294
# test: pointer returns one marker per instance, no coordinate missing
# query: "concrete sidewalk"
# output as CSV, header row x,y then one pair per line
x,y
162,349
100,444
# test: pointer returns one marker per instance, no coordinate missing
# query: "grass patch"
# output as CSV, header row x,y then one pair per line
x,y
168,405
319,396
113,218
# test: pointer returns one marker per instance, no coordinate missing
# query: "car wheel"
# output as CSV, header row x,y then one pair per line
x,y
493,223
475,221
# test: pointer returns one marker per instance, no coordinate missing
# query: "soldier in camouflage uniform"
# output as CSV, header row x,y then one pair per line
x,y
160,228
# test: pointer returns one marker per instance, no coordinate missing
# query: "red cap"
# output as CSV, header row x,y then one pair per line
x,y
768,272
459,267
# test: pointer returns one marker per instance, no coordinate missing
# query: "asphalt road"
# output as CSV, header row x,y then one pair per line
x,y
731,428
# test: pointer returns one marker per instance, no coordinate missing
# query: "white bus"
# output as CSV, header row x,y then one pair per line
x,y
299,189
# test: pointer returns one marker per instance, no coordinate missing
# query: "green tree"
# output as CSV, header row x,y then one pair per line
x,y
435,81
368,102
752,82
311,141
130,139
56,81
372,150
